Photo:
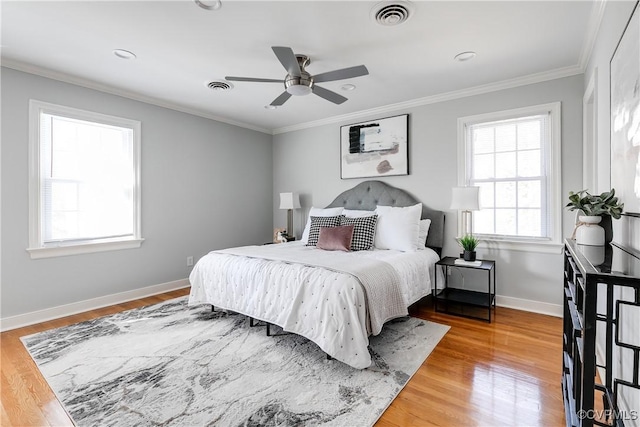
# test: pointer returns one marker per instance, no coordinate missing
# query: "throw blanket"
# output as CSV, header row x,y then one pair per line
x,y
379,279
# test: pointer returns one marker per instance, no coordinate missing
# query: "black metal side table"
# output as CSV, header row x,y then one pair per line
x,y
446,298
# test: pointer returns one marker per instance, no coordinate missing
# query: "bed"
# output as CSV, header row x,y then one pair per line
x,y
336,299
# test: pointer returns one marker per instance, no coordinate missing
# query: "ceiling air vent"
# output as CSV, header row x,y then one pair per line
x,y
219,85
391,13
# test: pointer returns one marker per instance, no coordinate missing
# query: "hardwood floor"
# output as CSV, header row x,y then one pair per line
x,y
506,373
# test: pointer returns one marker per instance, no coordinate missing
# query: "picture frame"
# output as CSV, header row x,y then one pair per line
x,y
624,75
375,148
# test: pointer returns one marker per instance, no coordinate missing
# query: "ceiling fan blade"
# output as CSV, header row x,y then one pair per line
x,y
288,59
281,99
344,73
328,95
252,79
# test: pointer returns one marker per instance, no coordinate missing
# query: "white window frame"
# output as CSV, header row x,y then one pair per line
x,y
554,243
37,249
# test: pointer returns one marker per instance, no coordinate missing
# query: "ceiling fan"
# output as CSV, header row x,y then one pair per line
x,y
299,82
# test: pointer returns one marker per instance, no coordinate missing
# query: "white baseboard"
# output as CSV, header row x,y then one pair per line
x,y
14,322
529,305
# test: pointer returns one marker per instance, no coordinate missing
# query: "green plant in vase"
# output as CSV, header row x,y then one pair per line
x,y
593,207
596,205
469,244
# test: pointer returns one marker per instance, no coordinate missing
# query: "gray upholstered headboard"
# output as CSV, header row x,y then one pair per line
x,y
368,194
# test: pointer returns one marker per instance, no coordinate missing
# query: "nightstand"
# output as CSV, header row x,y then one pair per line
x,y
463,302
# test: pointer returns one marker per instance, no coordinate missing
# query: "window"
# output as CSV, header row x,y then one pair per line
x,y
84,181
514,157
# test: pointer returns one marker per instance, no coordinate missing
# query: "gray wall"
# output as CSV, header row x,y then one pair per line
x,y
205,185
627,229
308,161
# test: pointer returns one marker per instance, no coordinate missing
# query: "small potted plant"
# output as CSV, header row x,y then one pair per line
x,y
594,207
469,245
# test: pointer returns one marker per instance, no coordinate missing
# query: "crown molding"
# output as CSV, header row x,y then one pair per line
x,y
448,96
593,27
90,84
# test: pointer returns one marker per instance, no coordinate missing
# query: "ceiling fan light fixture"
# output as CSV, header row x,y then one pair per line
x,y
299,82
348,87
299,90
298,85
209,4
270,107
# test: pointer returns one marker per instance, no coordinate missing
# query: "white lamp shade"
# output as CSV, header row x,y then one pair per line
x,y
465,198
289,201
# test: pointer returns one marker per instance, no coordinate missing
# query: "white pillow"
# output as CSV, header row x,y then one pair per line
x,y
423,233
356,213
398,227
318,212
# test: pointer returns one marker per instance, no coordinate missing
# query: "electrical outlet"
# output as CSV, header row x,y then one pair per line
x,y
189,261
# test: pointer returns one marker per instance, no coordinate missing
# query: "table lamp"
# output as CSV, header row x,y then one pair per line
x,y
466,199
289,201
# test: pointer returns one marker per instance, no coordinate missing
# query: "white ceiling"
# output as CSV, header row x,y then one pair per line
x,y
180,47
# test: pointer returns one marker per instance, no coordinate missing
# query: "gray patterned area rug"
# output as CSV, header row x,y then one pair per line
x,y
170,365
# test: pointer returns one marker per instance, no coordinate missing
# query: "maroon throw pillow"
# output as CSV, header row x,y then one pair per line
x,y
335,238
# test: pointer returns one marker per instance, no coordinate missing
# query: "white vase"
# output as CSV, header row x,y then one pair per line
x,y
595,254
589,232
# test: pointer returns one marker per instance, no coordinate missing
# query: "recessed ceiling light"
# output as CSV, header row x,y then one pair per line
x,y
348,86
465,56
209,4
124,54
270,107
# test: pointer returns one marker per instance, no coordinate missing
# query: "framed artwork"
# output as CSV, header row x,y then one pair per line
x,y
625,116
374,149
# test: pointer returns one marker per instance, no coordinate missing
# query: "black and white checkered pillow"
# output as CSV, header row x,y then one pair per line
x,y
318,222
364,231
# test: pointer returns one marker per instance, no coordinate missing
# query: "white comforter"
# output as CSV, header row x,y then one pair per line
x,y
325,306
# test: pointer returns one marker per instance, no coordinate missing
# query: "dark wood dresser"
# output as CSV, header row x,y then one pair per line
x,y
601,307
